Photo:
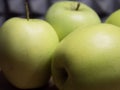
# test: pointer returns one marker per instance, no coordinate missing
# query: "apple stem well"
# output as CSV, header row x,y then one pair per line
x,y
27,10
78,5
62,75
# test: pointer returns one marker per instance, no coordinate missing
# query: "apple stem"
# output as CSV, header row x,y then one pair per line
x,y
78,5
27,10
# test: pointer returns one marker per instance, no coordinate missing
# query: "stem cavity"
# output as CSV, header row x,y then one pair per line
x,y
27,10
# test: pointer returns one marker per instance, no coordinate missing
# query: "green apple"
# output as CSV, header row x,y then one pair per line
x,y
114,18
88,59
65,16
26,47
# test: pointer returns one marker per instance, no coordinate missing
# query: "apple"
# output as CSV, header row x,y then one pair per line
x,y
26,47
88,59
114,18
66,16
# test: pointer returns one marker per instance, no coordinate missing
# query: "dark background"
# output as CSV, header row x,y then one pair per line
x,y
38,8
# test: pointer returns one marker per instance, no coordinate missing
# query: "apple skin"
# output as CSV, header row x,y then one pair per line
x,y
26,48
64,18
114,18
88,59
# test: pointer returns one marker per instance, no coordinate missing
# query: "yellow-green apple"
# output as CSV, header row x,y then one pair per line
x,y
65,16
114,18
88,59
26,47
